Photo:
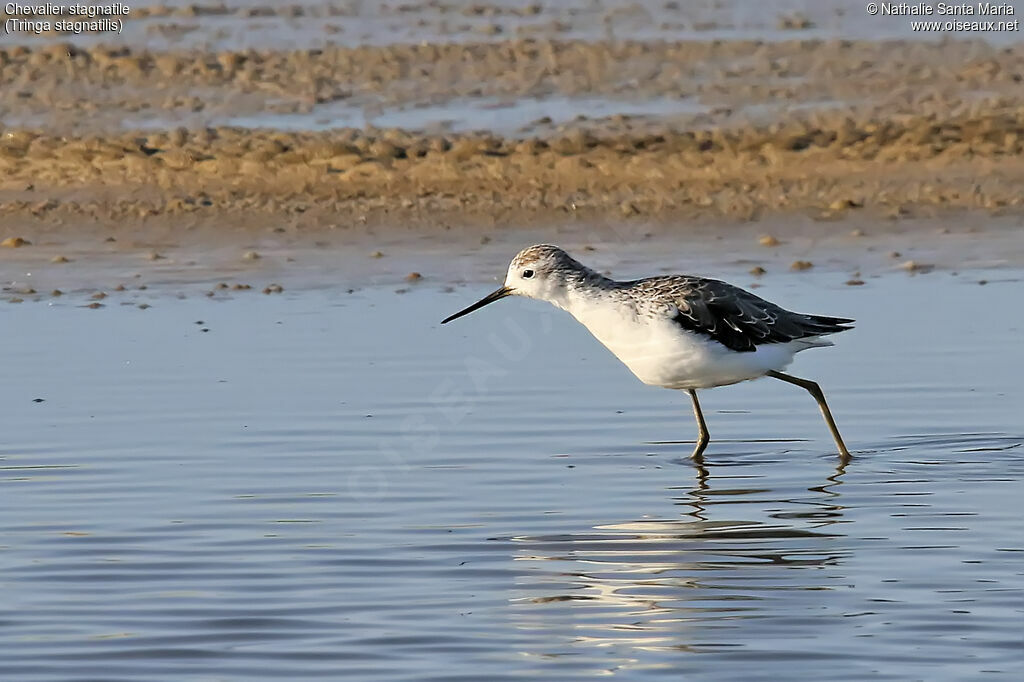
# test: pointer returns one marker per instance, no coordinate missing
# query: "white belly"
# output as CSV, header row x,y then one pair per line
x,y
660,353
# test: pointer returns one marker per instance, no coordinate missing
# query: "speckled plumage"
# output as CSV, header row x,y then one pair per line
x,y
734,317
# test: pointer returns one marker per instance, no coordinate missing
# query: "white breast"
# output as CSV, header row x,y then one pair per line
x,y
661,353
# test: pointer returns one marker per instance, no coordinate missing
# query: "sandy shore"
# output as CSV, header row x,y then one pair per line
x,y
820,128
892,167
143,147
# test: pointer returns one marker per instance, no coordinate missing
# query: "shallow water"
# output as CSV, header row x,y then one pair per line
x,y
507,116
330,484
501,115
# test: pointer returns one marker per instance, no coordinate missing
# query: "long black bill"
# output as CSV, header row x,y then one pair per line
x,y
489,298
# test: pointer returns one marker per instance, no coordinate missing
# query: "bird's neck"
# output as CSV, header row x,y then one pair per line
x,y
579,289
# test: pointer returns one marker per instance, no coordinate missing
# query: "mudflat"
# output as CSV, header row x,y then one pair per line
x,y
736,130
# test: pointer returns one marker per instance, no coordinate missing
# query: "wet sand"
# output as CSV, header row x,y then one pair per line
x,y
101,266
740,130
165,156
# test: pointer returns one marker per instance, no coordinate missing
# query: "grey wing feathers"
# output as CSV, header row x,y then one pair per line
x,y
738,319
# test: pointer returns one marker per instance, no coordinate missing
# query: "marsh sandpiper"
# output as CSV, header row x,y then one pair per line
x,y
675,331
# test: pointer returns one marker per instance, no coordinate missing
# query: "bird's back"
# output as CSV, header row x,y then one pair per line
x,y
737,319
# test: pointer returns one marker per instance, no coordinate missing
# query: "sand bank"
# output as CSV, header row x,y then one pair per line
x,y
726,138
816,127
893,166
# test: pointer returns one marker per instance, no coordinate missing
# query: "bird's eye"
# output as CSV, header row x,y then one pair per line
x,y
527,273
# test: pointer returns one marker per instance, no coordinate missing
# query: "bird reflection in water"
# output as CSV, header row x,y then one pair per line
x,y
682,584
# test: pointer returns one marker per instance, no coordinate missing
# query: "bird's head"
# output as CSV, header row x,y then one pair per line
x,y
538,271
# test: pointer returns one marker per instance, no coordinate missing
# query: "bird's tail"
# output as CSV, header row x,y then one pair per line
x,y
820,325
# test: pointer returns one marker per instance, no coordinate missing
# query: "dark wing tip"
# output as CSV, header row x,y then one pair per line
x,y
815,325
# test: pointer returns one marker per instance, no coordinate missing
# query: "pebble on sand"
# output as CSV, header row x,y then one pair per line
x,y
60,259
413,277
768,240
251,255
757,271
914,266
15,242
273,289
801,265
843,204
794,22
